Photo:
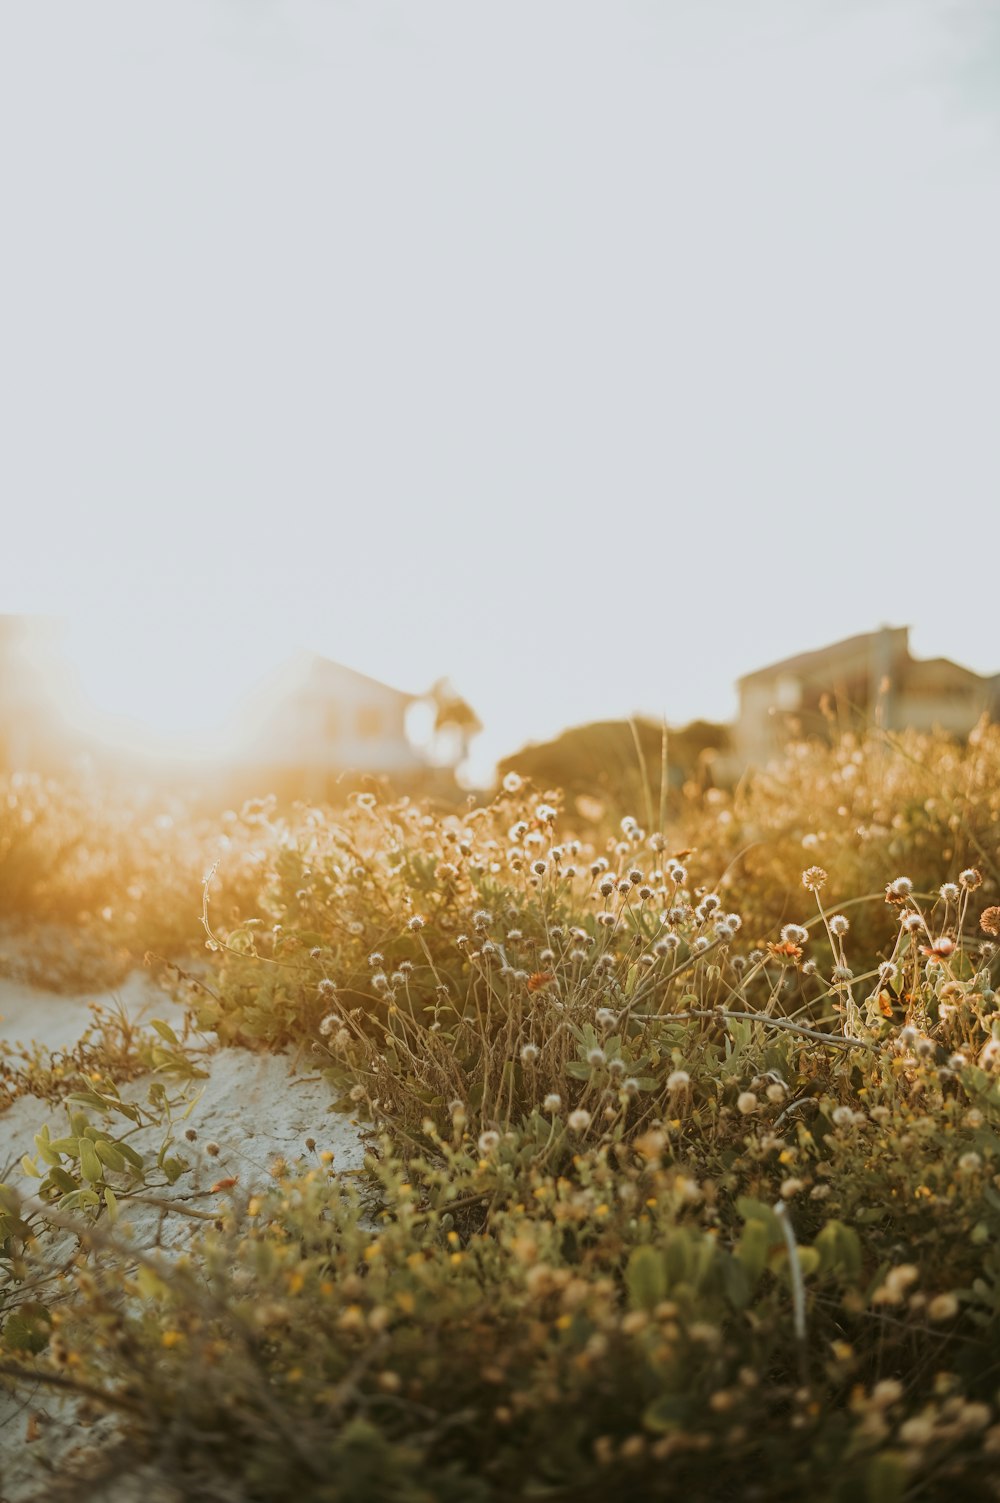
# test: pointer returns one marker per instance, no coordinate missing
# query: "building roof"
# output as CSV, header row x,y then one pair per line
x,y
306,669
820,658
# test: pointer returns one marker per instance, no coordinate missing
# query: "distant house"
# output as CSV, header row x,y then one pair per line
x,y
864,678
315,720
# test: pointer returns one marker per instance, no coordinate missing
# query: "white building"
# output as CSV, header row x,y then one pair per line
x,y
314,720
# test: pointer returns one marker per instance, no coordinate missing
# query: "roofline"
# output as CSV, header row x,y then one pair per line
x,y
803,659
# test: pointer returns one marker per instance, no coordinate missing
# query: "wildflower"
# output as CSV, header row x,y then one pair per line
x,y
605,1018
530,1054
776,1092
898,890
482,919
941,948
794,934
538,979
631,1086
666,944
552,1103
645,893
545,813
948,893
380,981
911,923
970,878
841,975
357,1093
888,1391
677,875
595,1058
539,867
416,923
786,950
989,921
376,960
578,1121
942,1307
814,878
512,783
895,1285
969,1163
791,1186
843,1116
678,1080
839,925
329,1023
635,876
699,945
487,1142
606,886
746,1102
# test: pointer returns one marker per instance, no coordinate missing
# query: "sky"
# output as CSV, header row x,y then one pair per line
x,y
591,354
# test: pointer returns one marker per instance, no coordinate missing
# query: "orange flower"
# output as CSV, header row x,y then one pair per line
x,y
989,921
538,979
786,950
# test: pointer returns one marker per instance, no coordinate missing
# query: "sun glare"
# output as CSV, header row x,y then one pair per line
x,y
142,692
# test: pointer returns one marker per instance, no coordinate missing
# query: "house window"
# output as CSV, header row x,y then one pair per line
x,y
369,722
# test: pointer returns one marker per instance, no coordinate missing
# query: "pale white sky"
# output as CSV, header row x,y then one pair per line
x,y
592,354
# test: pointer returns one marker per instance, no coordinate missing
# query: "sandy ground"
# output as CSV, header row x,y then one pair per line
x,y
253,1106
27,1013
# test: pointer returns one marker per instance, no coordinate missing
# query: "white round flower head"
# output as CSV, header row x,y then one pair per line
x,y
605,1018
578,1121
699,944
329,1023
376,960
512,783
545,813
595,1058
843,1116
552,1103
970,878
949,892
842,974
900,887
678,1080
487,1142
631,1086
746,1102
539,868
912,923
839,925
794,934
969,1163
530,1054
416,923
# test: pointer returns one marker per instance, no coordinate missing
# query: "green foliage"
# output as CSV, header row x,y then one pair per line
x,y
619,1125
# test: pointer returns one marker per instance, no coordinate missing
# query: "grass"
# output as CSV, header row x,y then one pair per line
x,y
683,1171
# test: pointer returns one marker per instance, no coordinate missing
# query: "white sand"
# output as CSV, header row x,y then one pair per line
x,y
253,1106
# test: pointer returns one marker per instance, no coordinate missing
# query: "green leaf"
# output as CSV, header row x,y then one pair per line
x,y
753,1248
110,1155
646,1278
27,1329
165,1031
90,1164
665,1414
886,1478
